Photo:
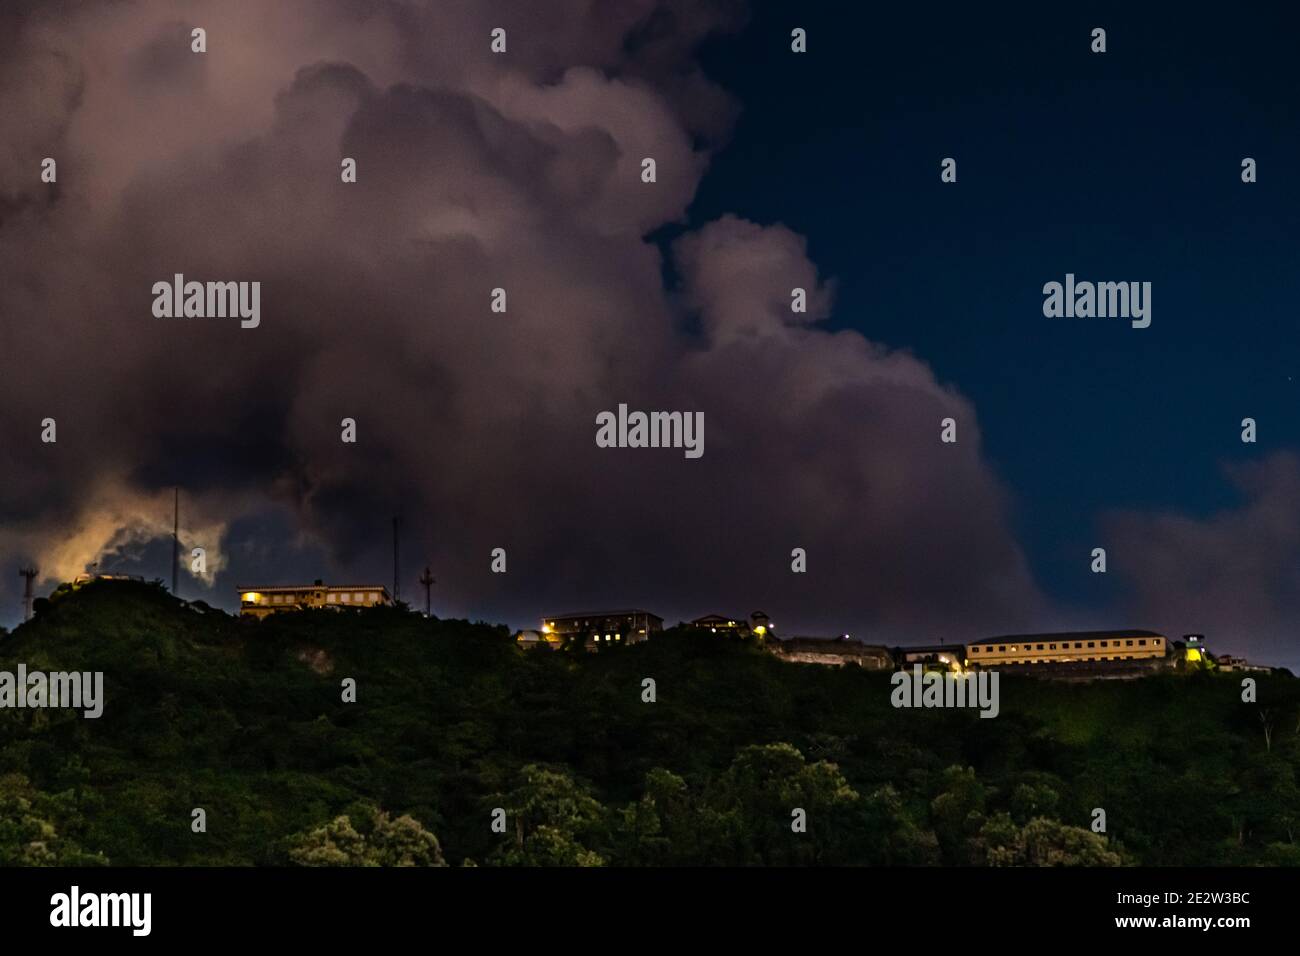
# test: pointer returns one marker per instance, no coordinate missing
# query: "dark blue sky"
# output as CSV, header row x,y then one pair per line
x,y
522,171
1118,166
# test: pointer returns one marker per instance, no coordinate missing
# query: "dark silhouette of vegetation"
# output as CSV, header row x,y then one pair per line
x,y
452,721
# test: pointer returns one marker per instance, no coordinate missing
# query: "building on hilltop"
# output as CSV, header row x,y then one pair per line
x,y
1191,650
834,651
259,601
596,629
719,622
1068,648
1229,662
88,576
531,639
942,657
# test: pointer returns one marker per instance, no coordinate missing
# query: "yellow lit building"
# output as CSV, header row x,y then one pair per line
x,y
937,657
1066,648
259,601
720,622
533,639
596,629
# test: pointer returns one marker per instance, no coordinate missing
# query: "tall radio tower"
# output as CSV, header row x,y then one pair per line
x,y
176,540
28,573
427,580
397,577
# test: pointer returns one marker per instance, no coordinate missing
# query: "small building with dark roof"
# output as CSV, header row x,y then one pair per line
x,y
948,657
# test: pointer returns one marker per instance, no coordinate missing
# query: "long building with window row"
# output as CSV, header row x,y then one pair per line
x,y
1066,648
261,600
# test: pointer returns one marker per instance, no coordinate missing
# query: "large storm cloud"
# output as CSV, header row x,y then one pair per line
x,y
476,171
1233,575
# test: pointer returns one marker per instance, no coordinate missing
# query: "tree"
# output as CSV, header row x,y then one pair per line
x,y
958,812
659,829
749,809
1041,842
1033,799
388,842
890,837
33,825
552,815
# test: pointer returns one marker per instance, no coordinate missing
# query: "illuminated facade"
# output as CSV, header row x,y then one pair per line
x,y
1192,649
719,622
532,639
1066,648
835,651
939,657
269,599
597,629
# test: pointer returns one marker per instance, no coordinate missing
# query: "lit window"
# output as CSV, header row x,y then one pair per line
x,y
332,598
345,597
358,598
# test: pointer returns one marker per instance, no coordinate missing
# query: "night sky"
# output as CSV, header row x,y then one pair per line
x,y
1110,166
775,169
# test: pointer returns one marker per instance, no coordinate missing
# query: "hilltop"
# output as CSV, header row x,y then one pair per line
x,y
246,721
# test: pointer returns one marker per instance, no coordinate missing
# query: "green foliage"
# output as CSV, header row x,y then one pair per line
x,y
35,827
1040,842
382,841
552,815
245,720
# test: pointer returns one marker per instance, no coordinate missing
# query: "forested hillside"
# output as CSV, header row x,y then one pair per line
x,y
247,721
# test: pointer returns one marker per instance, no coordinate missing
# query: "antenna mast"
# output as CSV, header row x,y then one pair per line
x,y
397,581
176,539
427,580
28,573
